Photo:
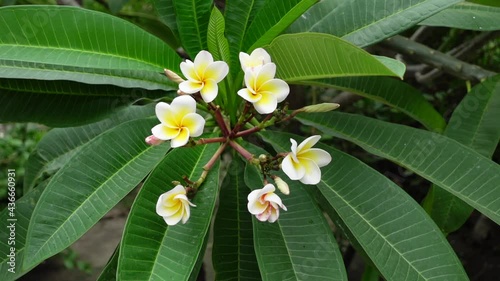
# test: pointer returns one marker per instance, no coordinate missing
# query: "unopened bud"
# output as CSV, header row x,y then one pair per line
x,y
176,183
282,185
173,76
263,158
152,140
322,107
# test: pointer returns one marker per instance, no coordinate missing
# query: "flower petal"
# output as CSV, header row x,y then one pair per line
x,y
265,74
216,71
202,60
273,215
183,105
307,143
255,207
277,87
190,87
312,172
175,218
247,95
194,123
261,56
187,68
319,156
250,80
293,170
294,150
264,216
163,110
266,104
272,197
163,132
187,211
209,90
181,139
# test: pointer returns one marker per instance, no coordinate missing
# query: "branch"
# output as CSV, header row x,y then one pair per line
x,y
437,59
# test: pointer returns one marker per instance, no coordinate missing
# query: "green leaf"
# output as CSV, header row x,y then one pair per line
x,y
443,161
239,14
396,233
300,244
493,3
62,43
96,179
467,16
233,253
116,5
64,103
23,210
365,22
166,14
272,19
474,123
192,22
217,43
307,56
109,271
58,146
152,250
395,66
392,92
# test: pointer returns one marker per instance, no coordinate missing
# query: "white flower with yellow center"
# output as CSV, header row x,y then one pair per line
x,y
174,206
265,204
255,60
263,90
179,121
303,162
203,75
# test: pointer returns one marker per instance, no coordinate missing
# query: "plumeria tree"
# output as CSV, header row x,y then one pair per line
x,y
199,120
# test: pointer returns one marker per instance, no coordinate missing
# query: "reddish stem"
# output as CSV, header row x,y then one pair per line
x,y
241,150
247,132
211,140
214,158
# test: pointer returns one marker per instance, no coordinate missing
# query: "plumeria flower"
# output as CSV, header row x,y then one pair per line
x,y
303,162
174,206
203,75
179,121
265,204
263,90
255,60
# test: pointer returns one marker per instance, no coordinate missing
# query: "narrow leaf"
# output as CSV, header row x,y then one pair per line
x,y
392,92
233,253
365,22
443,161
109,271
467,16
474,123
307,56
396,233
95,180
166,14
152,250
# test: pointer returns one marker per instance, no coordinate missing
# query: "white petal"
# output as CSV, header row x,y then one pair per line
x,y
163,132
274,198
183,105
187,212
190,87
261,56
267,188
308,143
265,74
274,215
319,156
267,104
264,216
162,110
277,87
202,60
294,150
195,123
312,174
209,91
255,207
187,68
181,139
250,80
244,60
216,71
293,170
247,95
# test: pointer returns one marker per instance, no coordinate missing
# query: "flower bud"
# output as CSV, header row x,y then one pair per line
x,y
173,76
262,158
322,107
152,140
282,185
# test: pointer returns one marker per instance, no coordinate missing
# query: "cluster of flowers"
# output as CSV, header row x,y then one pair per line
x,y
180,122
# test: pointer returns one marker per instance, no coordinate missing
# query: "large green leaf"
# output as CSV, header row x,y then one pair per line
x,y
392,228
364,22
109,271
239,14
22,214
58,146
69,43
166,14
192,23
300,244
307,56
64,103
152,250
96,179
233,253
474,123
392,92
270,20
467,16
443,161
